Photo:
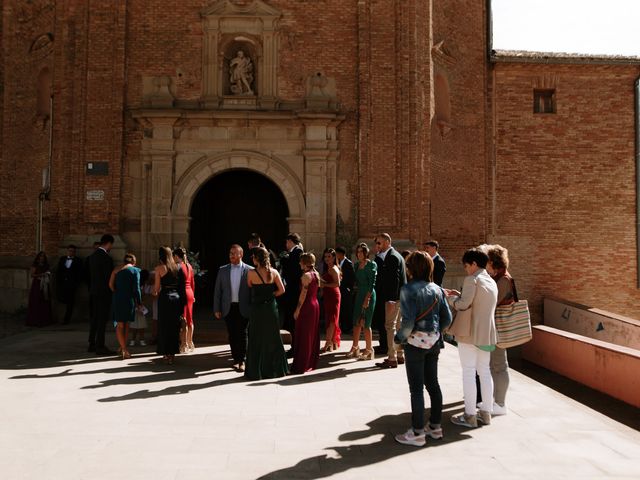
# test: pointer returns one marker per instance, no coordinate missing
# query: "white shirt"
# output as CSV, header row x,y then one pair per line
x,y
382,255
236,277
68,262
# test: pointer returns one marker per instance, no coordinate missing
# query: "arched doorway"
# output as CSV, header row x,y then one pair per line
x,y
229,207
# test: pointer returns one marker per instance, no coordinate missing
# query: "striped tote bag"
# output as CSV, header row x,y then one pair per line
x,y
513,322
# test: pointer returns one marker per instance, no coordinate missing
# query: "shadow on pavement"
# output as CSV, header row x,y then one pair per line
x,y
341,458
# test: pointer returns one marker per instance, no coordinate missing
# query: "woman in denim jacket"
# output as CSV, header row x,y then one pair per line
x,y
416,297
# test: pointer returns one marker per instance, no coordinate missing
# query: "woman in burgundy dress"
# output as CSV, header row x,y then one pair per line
x,y
187,336
39,309
307,318
331,300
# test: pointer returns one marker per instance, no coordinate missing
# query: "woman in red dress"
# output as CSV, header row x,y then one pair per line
x,y
307,318
180,255
39,307
331,300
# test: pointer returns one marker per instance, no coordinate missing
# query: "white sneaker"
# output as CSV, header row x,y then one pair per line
x,y
435,433
464,420
410,438
132,343
498,410
143,343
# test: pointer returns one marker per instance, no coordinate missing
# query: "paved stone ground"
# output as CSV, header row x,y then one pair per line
x,y
71,415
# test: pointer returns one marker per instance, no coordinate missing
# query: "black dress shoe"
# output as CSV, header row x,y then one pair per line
x,y
380,350
104,351
92,348
290,353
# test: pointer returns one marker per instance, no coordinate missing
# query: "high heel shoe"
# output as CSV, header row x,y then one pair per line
x,y
367,355
328,347
183,348
191,347
354,352
125,354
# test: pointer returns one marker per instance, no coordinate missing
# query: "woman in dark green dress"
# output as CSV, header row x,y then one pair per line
x,y
265,353
125,284
364,304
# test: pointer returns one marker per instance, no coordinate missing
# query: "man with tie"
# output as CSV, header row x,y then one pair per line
x,y
346,289
68,276
439,265
291,273
232,301
100,266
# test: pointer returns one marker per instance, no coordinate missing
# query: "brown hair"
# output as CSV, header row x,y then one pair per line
x,y
365,249
308,259
420,266
498,256
129,259
166,258
261,254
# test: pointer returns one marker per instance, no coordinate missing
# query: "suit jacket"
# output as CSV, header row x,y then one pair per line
x,y
100,266
291,273
480,295
68,279
439,267
391,276
222,291
348,277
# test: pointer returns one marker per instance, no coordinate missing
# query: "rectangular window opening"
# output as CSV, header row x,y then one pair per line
x,y
544,101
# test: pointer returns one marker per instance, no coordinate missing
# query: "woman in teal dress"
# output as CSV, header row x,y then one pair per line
x,y
125,283
364,304
265,352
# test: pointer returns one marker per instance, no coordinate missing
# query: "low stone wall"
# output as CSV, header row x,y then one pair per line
x,y
14,288
603,366
592,322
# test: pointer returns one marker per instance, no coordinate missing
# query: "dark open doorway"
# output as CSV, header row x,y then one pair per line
x,y
227,209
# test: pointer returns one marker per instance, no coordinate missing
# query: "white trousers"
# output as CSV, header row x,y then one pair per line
x,y
473,360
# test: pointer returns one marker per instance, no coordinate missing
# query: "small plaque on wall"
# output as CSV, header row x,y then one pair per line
x,y
95,195
97,168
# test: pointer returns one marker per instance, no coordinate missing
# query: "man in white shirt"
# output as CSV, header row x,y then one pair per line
x,y
231,301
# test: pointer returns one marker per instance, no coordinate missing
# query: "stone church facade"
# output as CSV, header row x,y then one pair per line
x,y
202,121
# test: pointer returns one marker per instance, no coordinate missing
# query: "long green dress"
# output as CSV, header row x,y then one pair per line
x,y
265,353
365,283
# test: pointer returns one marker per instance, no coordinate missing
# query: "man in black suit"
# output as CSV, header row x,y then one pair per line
x,y
346,290
68,276
439,265
391,277
291,273
100,266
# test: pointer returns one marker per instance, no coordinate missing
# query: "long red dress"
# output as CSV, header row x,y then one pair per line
x,y
331,302
189,286
306,333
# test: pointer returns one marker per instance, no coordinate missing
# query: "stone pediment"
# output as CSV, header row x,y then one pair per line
x,y
224,8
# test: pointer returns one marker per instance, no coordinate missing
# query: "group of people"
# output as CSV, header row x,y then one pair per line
x,y
426,311
398,293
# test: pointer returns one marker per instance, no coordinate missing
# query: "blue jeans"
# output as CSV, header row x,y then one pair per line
x,y
422,371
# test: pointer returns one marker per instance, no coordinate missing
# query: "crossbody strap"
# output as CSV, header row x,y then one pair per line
x,y
426,312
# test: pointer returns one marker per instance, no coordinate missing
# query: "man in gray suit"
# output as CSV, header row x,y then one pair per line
x,y
231,301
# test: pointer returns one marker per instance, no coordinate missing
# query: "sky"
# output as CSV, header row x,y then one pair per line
x,y
598,27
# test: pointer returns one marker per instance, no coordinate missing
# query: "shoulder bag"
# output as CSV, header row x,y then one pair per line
x,y
513,322
424,340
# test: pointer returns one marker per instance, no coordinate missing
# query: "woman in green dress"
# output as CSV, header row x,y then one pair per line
x,y
265,352
364,304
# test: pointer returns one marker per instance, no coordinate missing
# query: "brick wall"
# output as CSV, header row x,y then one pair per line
x,y
565,188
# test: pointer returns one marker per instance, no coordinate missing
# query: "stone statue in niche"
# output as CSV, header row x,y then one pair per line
x,y
241,74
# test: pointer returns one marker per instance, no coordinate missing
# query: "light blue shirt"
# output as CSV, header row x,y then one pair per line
x,y
236,277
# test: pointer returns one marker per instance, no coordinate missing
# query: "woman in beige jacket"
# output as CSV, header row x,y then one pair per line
x,y
475,332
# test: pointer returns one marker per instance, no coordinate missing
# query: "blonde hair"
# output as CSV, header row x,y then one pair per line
x,y
166,258
308,259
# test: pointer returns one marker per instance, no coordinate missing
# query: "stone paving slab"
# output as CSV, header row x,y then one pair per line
x,y
71,415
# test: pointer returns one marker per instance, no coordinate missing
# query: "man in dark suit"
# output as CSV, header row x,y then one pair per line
x,y
291,273
100,266
346,290
232,301
391,277
68,276
439,265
